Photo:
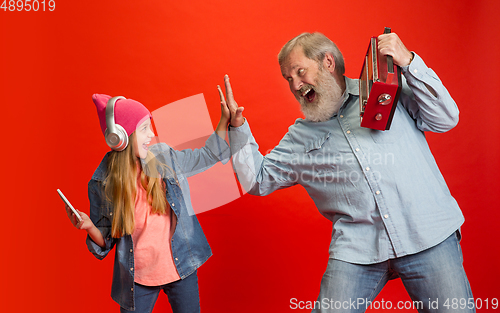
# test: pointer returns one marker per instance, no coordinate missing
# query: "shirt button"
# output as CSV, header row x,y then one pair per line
x,y
176,259
131,269
130,250
386,216
348,131
357,149
173,204
415,71
367,168
341,116
131,289
377,192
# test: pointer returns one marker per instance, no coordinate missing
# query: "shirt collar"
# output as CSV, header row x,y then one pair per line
x,y
351,89
351,86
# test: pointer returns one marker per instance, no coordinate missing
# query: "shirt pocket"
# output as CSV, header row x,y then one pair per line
x,y
319,158
316,144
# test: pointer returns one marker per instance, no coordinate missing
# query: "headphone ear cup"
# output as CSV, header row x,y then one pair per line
x,y
117,140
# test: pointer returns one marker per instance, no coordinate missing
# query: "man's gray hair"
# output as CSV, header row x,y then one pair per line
x,y
315,47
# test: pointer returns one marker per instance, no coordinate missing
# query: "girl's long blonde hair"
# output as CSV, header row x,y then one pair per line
x,y
120,187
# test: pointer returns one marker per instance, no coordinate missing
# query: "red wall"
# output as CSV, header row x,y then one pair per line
x,y
267,250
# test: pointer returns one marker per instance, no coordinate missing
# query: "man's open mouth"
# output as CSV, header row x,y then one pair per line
x,y
309,94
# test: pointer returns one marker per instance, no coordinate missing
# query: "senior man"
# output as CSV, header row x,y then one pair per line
x,y
392,213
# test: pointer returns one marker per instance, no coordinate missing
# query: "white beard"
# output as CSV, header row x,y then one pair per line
x,y
327,101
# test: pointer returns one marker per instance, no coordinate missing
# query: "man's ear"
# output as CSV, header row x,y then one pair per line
x,y
329,62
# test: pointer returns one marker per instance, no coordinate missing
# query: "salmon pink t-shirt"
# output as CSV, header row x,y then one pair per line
x,y
153,261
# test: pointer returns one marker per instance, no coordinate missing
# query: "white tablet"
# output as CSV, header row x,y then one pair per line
x,y
69,204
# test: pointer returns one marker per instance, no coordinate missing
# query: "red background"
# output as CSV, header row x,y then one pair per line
x,y
267,250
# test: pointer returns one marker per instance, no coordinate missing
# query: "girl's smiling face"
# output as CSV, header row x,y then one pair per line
x,y
143,136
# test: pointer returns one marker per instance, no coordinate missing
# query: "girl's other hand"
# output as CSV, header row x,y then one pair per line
x,y
85,223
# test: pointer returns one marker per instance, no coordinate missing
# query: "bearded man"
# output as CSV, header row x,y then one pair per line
x,y
391,210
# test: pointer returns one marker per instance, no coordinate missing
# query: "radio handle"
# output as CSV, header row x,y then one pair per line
x,y
390,62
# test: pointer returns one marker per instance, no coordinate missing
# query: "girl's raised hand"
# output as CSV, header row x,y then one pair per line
x,y
225,114
225,117
236,112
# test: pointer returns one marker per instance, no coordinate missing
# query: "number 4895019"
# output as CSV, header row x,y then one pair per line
x,y
28,5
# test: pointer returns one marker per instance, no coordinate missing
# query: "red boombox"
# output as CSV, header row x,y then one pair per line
x,y
379,88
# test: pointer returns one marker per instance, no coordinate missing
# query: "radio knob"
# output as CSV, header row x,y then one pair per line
x,y
384,99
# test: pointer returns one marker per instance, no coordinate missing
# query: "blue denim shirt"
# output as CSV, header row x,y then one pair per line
x,y
382,190
190,248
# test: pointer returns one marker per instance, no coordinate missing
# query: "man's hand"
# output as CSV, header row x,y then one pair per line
x,y
390,44
236,112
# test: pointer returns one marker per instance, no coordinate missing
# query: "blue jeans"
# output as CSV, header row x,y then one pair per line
x,y
434,278
182,295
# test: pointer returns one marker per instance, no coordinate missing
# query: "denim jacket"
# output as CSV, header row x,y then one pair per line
x,y
190,248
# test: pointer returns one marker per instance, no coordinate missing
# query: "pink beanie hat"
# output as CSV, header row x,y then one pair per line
x,y
128,113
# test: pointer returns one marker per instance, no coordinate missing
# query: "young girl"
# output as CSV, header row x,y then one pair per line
x,y
140,204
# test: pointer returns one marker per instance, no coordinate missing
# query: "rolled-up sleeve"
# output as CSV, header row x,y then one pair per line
x,y
219,148
101,221
194,161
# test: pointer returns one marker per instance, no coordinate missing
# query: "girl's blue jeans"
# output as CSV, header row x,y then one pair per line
x,y
182,295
